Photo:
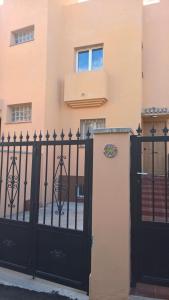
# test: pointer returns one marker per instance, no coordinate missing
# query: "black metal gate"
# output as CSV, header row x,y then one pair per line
x,y
150,208
45,207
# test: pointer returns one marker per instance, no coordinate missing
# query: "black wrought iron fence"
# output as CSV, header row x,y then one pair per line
x,y
61,171
150,205
46,206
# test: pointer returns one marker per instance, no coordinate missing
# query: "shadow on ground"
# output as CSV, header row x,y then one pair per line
x,y
11,293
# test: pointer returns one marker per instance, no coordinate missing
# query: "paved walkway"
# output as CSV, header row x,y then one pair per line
x,y
18,286
11,293
25,282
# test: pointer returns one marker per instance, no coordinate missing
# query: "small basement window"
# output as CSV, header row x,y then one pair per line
x,y
89,59
23,35
91,124
20,113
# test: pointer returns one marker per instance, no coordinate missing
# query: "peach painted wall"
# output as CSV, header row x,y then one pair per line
x,y
23,67
156,55
118,25
35,71
54,72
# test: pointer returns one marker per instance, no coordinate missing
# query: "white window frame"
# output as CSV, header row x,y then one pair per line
x,y
18,110
29,31
150,2
90,49
82,121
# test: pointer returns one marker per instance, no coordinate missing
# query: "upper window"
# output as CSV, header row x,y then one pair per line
x,y
88,59
20,113
148,2
91,124
22,35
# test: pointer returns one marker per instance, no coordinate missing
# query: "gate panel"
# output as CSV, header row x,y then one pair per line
x,y
15,241
62,257
150,209
45,207
63,230
15,195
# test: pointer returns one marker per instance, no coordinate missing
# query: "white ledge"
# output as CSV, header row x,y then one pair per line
x,y
112,130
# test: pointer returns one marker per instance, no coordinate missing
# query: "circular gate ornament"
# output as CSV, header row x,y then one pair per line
x,y
110,151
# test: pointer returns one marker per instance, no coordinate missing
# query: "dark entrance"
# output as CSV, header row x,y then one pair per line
x,y
44,230
150,208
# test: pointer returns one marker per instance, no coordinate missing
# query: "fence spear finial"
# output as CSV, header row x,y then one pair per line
x,y
139,130
165,130
21,136
40,136
70,134
62,135
78,134
54,135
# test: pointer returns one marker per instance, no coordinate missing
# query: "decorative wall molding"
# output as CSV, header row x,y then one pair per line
x,y
155,111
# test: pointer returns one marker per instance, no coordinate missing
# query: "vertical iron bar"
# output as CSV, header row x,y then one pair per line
x,y
45,184
60,183
2,151
34,204
53,186
87,211
77,183
136,207
166,184
153,200
13,180
25,182
6,187
88,174
19,181
68,186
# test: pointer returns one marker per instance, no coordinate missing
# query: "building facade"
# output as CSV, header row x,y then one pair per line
x,y
69,64
64,66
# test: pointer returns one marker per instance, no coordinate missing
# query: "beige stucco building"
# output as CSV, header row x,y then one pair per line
x,y
42,42
86,64
40,84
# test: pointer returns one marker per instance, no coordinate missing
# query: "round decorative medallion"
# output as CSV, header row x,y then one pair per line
x,y
110,151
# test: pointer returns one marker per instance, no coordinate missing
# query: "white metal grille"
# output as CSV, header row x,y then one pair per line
x,y
90,124
21,113
23,35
